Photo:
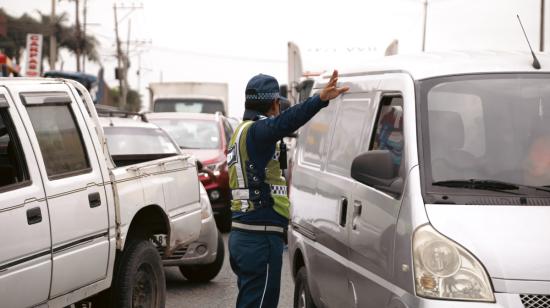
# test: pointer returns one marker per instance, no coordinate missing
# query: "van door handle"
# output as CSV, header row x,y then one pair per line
x,y
94,199
343,211
34,216
357,209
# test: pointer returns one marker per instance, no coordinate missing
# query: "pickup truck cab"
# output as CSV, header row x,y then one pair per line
x,y
72,224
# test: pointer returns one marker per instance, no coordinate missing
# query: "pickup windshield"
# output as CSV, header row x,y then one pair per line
x,y
188,105
494,127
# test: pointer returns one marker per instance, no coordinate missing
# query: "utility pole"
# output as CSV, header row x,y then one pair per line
x,y
119,62
78,36
84,36
53,40
122,60
424,27
541,25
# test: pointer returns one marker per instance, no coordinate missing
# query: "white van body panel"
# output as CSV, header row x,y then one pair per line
x,y
498,236
377,257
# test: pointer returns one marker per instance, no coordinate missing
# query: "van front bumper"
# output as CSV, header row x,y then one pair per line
x,y
503,300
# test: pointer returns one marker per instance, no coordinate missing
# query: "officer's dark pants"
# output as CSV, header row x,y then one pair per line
x,y
256,259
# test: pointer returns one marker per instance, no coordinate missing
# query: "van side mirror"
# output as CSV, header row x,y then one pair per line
x,y
376,169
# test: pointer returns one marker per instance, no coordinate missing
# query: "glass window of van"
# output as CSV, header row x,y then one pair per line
x,y
346,139
487,127
58,135
388,134
316,137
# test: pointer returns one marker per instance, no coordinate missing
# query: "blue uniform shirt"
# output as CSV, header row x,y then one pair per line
x,y
261,141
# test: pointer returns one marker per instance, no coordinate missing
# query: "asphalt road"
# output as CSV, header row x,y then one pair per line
x,y
221,291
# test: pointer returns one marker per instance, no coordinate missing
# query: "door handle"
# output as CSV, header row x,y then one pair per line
x,y
357,209
343,211
34,216
94,199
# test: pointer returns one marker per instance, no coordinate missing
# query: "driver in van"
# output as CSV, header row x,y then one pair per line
x,y
538,162
260,204
391,135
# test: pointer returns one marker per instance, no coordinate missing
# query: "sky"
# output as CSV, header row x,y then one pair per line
x,y
231,41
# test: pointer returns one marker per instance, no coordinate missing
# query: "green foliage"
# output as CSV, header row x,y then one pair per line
x,y
66,36
133,99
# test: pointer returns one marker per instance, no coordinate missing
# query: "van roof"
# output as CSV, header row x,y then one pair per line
x,y
433,64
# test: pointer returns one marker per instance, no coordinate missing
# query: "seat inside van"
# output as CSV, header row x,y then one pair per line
x,y
448,157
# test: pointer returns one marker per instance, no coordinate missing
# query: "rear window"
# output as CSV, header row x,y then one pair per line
x,y
192,134
189,105
138,141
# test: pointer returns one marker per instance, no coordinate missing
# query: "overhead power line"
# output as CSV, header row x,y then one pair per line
x,y
218,56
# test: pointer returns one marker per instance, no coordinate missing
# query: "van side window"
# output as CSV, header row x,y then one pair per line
x,y
388,134
13,169
316,135
60,141
346,139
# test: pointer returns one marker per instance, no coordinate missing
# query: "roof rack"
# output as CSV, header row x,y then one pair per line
x,y
109,111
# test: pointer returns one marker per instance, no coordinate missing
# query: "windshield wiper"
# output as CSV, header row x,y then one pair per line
x,y
491,185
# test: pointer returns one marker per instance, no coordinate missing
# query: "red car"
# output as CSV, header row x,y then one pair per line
x,y
205,136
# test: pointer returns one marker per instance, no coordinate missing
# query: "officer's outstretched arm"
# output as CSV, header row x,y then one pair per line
x,y
271,130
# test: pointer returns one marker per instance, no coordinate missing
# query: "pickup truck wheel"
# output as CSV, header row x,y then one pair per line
x,y
302,296
206,272
139,282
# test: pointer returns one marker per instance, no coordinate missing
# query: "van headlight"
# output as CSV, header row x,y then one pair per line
x,y
445,270
206,208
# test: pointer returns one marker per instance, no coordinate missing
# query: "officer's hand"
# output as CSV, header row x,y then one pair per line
x,y
330,91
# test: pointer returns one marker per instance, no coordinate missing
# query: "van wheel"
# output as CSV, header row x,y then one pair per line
x,y
139,281
206,272
302,296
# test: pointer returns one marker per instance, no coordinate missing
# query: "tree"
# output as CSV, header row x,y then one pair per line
x,y
15,42
133,100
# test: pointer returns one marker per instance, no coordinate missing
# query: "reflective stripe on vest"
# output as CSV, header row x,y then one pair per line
x,y
239,170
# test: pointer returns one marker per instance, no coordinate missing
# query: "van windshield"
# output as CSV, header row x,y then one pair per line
x,y
188,105
488,130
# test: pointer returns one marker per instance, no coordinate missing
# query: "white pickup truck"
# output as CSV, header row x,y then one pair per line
x,y
71,223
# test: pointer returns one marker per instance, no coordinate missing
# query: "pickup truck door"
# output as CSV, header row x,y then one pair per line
x,y
73,183
25,256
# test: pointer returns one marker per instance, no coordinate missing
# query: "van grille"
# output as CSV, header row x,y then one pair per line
x,y
535,301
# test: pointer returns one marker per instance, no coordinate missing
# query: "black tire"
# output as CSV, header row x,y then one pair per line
x,y
139,281
205,272
302,295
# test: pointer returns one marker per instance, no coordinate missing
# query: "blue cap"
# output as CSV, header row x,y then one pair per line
x,y
261,89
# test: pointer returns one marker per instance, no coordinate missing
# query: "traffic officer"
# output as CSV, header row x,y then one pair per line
x,y
260,204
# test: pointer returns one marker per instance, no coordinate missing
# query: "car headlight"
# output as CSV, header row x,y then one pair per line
x,y
206,208
445,270
217,167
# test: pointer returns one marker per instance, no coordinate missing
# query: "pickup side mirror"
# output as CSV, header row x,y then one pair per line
x,y
376,169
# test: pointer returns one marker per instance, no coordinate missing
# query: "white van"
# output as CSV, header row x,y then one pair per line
x,y
426,185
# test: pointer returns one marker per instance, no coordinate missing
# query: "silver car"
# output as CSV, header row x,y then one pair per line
x,y
133,141
426,185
